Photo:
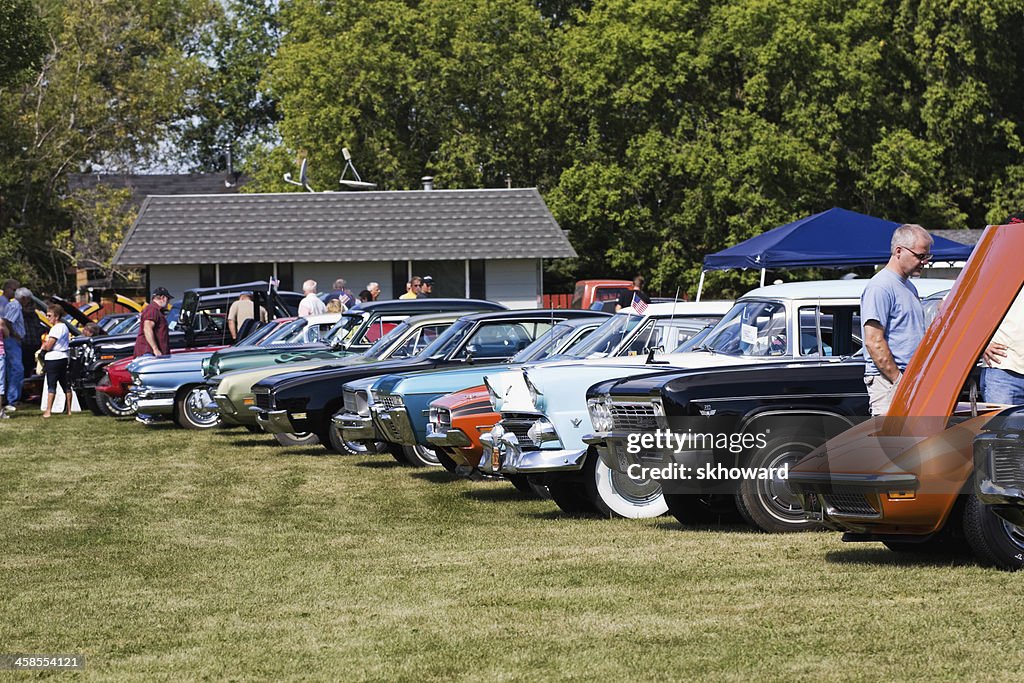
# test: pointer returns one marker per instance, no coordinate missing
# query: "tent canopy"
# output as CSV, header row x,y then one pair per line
x,y
833,238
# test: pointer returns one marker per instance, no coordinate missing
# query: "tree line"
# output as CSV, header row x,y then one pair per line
x,y
657,130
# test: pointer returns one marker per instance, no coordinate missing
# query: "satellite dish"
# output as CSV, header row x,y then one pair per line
x,y
303,180
358,183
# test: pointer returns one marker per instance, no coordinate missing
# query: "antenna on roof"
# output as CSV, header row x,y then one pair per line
x,y
358,183
302,182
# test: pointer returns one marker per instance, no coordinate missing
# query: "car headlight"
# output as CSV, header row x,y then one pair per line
x,y
536,395
600,414
492,395
441,418
542,432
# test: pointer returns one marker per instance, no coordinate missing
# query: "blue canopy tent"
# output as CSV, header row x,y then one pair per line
x,y
831,239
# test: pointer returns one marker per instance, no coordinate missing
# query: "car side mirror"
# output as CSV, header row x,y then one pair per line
x,y
471,351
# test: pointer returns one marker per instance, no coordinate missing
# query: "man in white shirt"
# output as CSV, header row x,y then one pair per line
x,y
310,304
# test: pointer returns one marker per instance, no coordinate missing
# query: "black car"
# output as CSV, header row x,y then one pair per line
x,y
711,420
303,402
197,319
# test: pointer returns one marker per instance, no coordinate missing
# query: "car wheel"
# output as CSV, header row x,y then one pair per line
x,y
524,484
191,411
300,439
993,540
421,456
253,429
691,508
91,403
397,452
339,445
114,406
769,504
615,494
571,498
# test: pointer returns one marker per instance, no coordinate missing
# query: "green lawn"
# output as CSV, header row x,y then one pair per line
x,y
166,554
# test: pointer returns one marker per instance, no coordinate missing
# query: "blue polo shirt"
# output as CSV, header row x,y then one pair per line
x,y
893,302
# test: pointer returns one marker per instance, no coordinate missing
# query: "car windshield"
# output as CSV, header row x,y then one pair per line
x,y
343,328
376,351
751,328
126,326
282,333
448,341
665,333
608,336
260,334
544,345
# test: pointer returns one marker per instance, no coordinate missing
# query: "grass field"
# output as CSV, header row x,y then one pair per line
x,y
160,553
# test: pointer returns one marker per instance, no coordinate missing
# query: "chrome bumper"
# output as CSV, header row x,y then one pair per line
x,y
449,437
274,421
504,455
355,427
151,402
395,426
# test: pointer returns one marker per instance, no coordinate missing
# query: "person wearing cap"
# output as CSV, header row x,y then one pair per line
x,y
242,310
1002,378
153,338
426,287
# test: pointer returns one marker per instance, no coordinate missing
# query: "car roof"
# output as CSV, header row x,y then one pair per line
x,y
563,313
586,320
684,308
836,289
429,304
323,318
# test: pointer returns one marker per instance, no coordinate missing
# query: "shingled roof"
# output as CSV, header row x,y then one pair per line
x,y
343,226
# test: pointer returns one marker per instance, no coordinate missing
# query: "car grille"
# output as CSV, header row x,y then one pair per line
x,y
263,400
520,425
850,502
633,417
388,401
1008,465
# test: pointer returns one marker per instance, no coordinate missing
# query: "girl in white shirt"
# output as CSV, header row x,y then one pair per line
x,y
55,360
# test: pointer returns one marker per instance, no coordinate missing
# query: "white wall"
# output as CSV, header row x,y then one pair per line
x,y
356,274
513,282
177,279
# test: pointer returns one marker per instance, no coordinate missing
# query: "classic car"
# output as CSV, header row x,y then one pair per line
x,y
999,484
305,401
545,412
906,479
401,401
456,421
174,385
354,332
233,391
195,321
589,292
112,390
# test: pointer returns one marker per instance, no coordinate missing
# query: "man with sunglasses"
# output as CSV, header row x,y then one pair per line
x,y
892,318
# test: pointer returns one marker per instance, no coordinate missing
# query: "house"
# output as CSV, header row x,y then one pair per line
x,y
487,243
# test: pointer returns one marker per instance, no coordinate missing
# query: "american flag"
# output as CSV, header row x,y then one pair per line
x,y
274,282
638,304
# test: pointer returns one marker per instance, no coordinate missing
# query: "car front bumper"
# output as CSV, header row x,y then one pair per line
x,y
503,454
150,402
273,421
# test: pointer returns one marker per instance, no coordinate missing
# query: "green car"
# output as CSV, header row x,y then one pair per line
x,y
232,391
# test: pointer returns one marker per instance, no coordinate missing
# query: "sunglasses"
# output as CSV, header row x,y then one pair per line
x,y
923,258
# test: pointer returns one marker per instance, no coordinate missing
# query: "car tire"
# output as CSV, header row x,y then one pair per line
x,y
91,403
421,456
114,406
190,411
527,486
769,504
300,439
571,498
337,444
397,452
692,509
446,460
993,540
253,429
615,494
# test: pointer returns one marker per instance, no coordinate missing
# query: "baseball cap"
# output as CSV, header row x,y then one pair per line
x,y
247,291
161,291
429,280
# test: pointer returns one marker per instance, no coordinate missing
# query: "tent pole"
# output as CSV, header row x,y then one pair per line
x,y
762,277
700,285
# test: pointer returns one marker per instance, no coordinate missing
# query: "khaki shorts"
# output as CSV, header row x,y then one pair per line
x,y
880,393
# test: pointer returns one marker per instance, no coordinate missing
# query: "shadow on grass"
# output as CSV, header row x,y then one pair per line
x,y
886,557
441,476
380,464
727,527
505,494
248,441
